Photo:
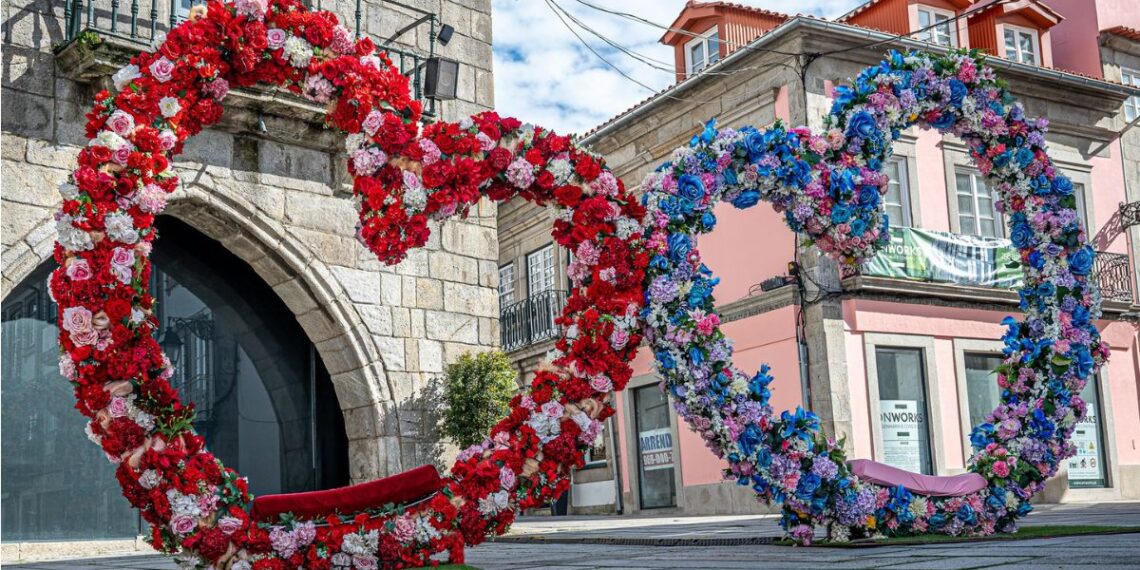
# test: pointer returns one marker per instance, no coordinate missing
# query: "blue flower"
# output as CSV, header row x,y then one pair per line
x,y
746,199
659,262
840,213
758,385
691,187
862,125
708,220
1024,156
843,97
858,227
842,182
755,144
666,360
1081,261
1003,158
729,176
1062,185
696,355
869,196
944,122
967,515
958,92
1021,235
1036,260
1041,426
709,134
981,436
750,439
679,247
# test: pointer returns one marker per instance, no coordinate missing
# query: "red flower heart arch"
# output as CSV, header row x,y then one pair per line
x,y
402,177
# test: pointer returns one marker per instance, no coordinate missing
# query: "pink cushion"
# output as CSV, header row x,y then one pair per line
x,y
887,476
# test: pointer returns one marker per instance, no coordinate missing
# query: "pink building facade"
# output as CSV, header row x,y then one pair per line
x,y
896,360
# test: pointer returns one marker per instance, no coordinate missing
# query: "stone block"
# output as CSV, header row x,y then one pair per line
x,y
209,148
391,352
295,167
13,147
391,289
452,267
452,327
489,332
360,286
355,389
332,249
29,70
429,293
453,350
401,321
430,355
27,115
377,318
470,299
326,213
489,273
268,200
32,184
416,319
44,153
20,219
408,291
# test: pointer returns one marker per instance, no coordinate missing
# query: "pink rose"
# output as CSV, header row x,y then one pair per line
x,y
88,337
183,524
76,319
618,339
507,478
229,525
121,154
167,139
364,562
79,270
123,257
602,383
275,37
404,529
162,69
372,122
121,122
118,407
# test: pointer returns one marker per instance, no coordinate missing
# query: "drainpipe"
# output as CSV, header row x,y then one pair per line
x,y
619,504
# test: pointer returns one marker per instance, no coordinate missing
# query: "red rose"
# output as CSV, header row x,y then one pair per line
x,y
500,158
117,309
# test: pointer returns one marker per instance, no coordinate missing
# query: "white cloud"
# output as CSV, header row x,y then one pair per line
x,y
545,75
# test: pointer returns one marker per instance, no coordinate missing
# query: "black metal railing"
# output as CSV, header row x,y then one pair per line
x,y
1113,273
144,21
531,320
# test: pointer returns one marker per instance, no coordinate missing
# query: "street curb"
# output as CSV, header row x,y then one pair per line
x,y
632,541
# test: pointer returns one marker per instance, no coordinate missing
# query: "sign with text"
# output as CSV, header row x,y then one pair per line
x,y
903,425
656,448
924,255
1086,468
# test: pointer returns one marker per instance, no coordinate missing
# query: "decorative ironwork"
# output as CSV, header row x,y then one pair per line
x,y
531,320
1130,214
1113,274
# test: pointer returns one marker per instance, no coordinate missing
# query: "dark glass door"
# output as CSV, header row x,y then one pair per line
x,y
656,450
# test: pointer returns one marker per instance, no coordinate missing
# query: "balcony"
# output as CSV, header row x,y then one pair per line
x,y
100,35
531,320
1113,274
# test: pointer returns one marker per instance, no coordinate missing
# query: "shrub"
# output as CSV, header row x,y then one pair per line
x,y
477,390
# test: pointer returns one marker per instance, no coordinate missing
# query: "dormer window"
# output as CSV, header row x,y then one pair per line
x,y
702,51
1021,44
938,26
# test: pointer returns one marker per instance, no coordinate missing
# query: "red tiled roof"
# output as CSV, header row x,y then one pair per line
x,y
857,10
1124,32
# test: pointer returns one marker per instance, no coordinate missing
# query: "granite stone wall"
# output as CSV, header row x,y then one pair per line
x,y
282,202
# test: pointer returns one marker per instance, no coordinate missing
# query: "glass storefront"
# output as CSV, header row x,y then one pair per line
x,y
656,450
903,412
1087,469
265,403
982,391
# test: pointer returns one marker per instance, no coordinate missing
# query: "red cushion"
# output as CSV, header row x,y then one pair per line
x,y
930,485
400,488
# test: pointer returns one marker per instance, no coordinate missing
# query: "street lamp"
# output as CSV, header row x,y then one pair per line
x,y
172,345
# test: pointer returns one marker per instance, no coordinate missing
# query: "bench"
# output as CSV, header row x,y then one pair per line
x,y
401,489
929,485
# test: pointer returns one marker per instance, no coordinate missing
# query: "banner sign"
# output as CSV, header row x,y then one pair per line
x,y
1086,468
656,448
903,424
924,255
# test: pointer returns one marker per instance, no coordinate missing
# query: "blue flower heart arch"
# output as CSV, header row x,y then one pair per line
x,y
829,186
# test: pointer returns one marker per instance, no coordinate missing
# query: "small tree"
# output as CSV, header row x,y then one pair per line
x,y
477,392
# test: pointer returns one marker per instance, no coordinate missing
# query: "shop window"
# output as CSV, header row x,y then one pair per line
x,y
982,391
656,450
903,412
1087,469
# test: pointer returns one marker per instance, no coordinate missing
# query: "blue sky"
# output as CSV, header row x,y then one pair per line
x,y
545,75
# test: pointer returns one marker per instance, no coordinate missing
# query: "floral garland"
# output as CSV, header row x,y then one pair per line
x,y
402,178
829,186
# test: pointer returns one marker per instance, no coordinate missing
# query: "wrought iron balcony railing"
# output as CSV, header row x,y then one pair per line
x,y
142,22
1113,274
531,320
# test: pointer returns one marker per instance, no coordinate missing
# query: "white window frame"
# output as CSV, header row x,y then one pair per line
x,y
975,178
709,45
931,35
1019,55
541,259
903,182
1080,192
1131,77
506,285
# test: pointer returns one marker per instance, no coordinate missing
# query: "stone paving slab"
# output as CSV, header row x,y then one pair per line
x,y
575,543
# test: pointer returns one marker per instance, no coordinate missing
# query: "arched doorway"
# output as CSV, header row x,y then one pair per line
x,y
265,402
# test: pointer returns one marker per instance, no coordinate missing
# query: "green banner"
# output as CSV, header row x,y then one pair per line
x,y
924,255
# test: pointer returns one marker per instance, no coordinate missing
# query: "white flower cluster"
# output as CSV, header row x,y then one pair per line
x,y
120,227
298,51
71,237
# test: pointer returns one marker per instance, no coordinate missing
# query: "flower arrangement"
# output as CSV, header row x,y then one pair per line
x,y
402,178
829,187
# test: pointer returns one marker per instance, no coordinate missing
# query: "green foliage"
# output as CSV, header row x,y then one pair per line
x,y
477,391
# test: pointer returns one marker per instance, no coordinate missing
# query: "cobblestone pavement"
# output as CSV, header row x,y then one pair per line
x,y
691,543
